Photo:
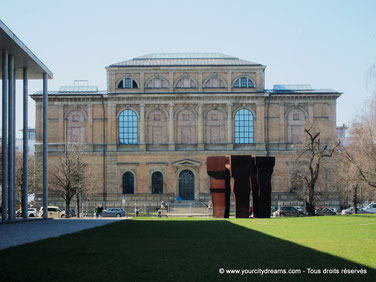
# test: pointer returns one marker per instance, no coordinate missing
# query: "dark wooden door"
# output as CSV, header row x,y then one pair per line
x,y
187,185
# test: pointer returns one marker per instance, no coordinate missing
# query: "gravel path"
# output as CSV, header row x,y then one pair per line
x,y
14,234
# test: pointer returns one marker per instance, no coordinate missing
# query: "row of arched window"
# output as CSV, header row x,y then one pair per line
x,y
156,183
186,182
186,127
185,81
185,123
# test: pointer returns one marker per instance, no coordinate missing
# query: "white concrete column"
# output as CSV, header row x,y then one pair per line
x,y
200,127
230,142
171,135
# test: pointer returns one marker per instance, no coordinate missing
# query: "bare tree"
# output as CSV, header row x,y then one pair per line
x,y
312,158
68,176
362,149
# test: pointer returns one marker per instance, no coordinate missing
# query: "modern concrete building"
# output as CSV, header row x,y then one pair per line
x,y
149,133
18,62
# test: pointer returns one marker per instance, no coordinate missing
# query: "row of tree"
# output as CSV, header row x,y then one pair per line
x,y
354,162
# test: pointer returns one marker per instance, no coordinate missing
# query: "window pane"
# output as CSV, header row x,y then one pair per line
x,y
127,83
128,127
243,82
244,127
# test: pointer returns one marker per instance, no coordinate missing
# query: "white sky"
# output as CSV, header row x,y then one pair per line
x,y
328,44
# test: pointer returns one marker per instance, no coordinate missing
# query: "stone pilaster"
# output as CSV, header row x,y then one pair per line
x,y
142,81
282,140
230,142
260,127
171,81
310,114
142,127
111,125
171,132
89,125
200,145
200,82
333,121
229,81
61,130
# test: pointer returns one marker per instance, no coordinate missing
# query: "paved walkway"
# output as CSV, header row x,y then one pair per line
x,y
13,234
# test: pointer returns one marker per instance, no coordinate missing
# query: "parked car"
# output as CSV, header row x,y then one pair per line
x,y
325,211
371,208
32,212
350,211
117,212
300,209
288,211
53,212
72,213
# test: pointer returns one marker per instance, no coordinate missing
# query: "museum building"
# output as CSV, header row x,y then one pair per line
x,y
147,137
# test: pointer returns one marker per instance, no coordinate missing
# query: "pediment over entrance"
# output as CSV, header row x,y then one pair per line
x,y
186,162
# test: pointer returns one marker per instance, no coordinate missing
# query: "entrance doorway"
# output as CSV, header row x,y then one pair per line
x,y
187,185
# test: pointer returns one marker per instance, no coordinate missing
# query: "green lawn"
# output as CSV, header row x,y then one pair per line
x,y
195,249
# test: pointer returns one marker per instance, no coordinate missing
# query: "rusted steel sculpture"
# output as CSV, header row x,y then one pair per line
x,y
219,186
241,171
265,166
248,173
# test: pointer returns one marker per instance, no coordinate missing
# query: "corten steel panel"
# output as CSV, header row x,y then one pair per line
x,y
265,166
241,172
218,191
219,186
255,189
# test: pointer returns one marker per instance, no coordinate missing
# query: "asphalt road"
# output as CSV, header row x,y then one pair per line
x,y
13,234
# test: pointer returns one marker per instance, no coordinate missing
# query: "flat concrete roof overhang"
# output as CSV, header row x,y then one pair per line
x,y
23,57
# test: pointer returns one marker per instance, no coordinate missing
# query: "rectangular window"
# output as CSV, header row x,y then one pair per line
x,y
128,83
243,82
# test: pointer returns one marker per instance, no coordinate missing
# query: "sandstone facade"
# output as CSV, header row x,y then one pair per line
x,y
184,109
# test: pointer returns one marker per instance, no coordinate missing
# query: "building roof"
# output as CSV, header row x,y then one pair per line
x,y
184,59
23,57
67,89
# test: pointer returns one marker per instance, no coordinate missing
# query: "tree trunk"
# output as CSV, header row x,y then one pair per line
x,y
67,203
78,204
310,206
354,198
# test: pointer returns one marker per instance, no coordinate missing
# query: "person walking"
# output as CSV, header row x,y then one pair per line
x,y
96,211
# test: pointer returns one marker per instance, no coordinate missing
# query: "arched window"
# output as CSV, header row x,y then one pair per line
x,y
295,126
215,82
128,127
128,183
185,82
157,127
187,185
157,183
215,127
244,127
76,127
243,82
156,82
127,82
186,127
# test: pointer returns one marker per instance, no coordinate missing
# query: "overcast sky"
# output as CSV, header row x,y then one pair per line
x,y
328,44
